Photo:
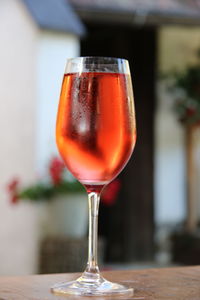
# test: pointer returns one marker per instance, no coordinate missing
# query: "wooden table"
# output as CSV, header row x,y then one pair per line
x,y
158,284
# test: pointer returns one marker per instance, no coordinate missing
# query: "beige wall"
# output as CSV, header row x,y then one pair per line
x,y
18,42
177,47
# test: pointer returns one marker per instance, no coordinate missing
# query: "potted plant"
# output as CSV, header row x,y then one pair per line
x,y
185,88
64,198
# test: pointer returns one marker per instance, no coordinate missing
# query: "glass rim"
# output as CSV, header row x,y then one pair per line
x,y
97,58
105,64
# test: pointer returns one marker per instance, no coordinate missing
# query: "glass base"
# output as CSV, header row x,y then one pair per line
x,y
81,287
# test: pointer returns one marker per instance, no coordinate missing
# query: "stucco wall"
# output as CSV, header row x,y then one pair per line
x,y
18,46
31,68
53,51
177,48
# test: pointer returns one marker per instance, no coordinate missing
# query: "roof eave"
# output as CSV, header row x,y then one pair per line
x,y
70,24
80,33
142,18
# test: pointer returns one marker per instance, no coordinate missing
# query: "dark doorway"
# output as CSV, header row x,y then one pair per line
x,y
130,230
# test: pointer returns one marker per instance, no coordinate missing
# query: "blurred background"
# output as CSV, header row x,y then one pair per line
x,y
149,216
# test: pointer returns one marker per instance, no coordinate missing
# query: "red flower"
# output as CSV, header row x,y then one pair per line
x,y
13,190
14,199
56,169
109,194
12,186
190,111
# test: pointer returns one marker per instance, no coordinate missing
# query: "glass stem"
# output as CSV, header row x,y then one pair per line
x,y
92,265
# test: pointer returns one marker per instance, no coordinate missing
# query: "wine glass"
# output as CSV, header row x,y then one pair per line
x,y
95,135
